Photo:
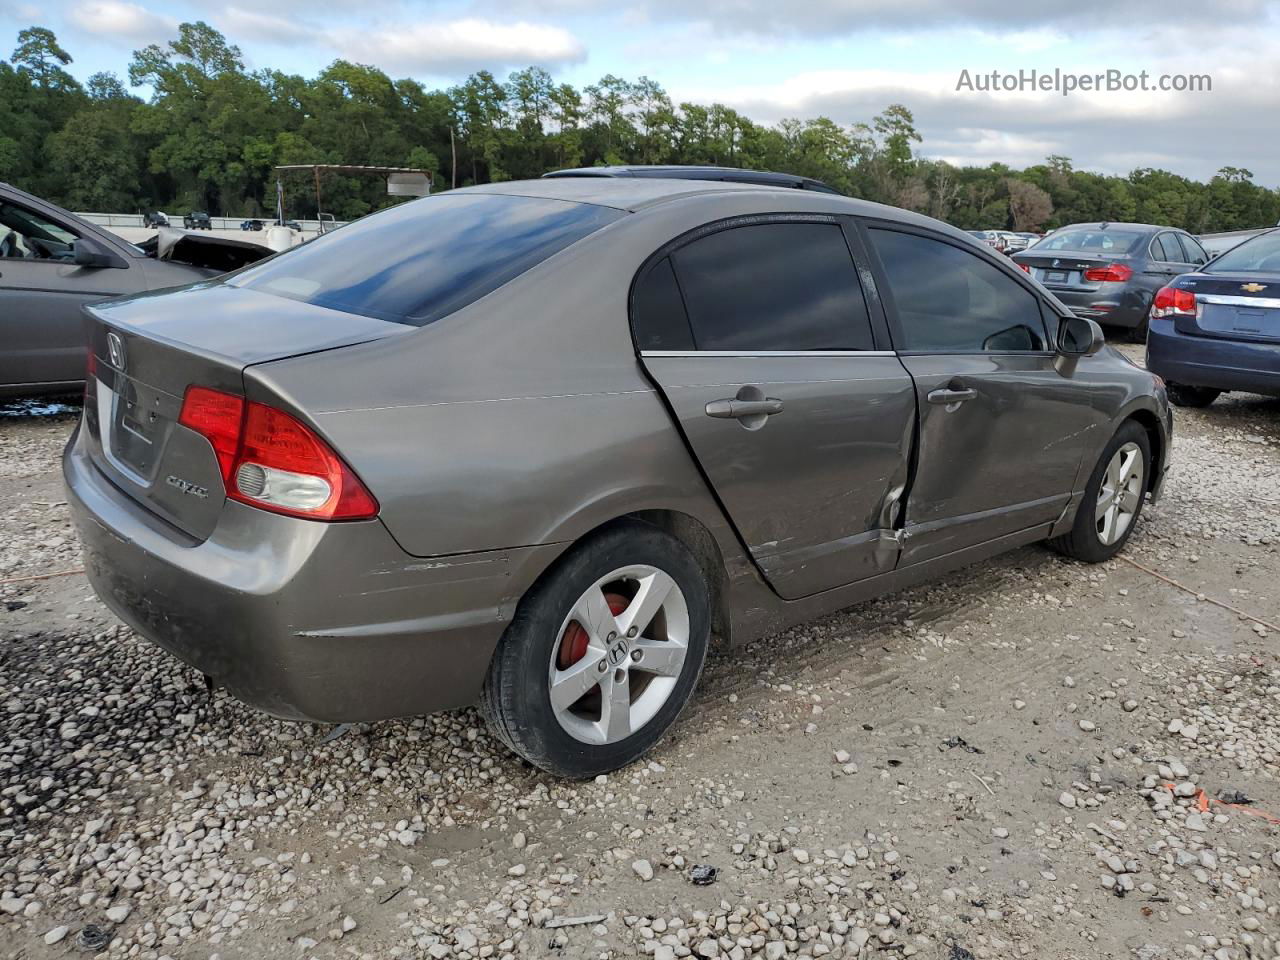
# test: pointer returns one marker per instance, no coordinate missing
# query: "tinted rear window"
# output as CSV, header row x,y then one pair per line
x,y
423,260
1260,254
1092,240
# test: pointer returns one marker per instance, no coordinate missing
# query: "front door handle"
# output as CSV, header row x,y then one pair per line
x,y
735,409
948,396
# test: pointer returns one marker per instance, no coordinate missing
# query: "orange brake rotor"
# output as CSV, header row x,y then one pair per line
x,y
573,645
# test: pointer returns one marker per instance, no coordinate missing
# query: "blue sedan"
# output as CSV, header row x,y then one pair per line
x,y
1219,329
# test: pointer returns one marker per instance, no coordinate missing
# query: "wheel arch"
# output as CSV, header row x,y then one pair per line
x,y
706,550
1149,422
687,529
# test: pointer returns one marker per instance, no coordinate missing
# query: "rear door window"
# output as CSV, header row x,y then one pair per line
x,y
949,300
428,258
784,286
657,310
1165,247
1193,252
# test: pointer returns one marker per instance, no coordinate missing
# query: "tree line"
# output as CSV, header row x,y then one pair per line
x,y
210,132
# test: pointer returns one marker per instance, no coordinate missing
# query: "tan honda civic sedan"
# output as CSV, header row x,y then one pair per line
x,y
533,444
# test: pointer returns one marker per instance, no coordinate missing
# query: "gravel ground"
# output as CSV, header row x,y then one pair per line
x,y
1033,758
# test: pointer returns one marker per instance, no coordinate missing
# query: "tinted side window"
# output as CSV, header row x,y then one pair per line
x,y
1193,251
428,258
773,286
1166,248
952,301
657,310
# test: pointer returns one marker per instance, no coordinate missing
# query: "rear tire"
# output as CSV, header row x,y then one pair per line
x,y
1139,333
1181,395
1113,498
571,689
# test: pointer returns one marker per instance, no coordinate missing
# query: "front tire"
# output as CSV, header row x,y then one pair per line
x,y
1113,498
1181,395
603,653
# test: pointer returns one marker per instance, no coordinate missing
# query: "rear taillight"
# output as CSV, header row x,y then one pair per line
x,y
217,417
274,461
1173,302
1025,268
1111,273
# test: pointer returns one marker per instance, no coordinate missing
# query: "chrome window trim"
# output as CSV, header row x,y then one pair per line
x,y
1231,300
767,353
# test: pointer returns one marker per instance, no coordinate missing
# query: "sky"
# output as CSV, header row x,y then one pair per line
x,y
845,59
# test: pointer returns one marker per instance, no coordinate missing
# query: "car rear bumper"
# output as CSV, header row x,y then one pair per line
x,y
1112,304
1212,362
330,622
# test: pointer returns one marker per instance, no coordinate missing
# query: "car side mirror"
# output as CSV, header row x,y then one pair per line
x,y
1079,337
90,253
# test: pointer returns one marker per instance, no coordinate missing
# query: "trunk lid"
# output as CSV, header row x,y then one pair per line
x,y
1064,269
1233,306
145,352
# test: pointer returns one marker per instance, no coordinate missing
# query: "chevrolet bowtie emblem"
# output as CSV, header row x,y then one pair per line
x,y
1253,287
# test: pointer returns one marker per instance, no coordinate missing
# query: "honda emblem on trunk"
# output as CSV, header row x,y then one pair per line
x,y
115,347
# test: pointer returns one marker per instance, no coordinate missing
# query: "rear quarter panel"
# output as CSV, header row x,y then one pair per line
x,y
524,418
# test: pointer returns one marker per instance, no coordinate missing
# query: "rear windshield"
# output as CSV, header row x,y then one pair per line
x,y
1092,240
426,259
1256,255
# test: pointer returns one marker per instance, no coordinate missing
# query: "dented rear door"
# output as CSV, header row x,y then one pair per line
x,y
802,426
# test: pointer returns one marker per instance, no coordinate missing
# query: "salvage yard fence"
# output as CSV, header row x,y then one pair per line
x,y
175,220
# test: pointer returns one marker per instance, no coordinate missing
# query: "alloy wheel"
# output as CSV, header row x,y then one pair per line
x,y
619,654
1120,495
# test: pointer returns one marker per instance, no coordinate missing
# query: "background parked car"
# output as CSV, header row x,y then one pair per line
x,y
52,263
1014,242
251,225
1110,272
992,238
765,442
155,218
1219,329
195,220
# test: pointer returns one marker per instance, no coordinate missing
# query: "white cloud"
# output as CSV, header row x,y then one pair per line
x,y
461,46
1192,134
20,12
250,26
116,18
828,17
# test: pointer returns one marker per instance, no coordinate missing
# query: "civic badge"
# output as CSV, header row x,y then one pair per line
x,y
1253,287
115,348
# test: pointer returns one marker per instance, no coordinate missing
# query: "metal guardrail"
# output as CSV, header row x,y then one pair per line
x,y
217,223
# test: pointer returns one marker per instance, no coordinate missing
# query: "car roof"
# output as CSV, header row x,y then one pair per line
x,y
636,194
632,194
767,178
1115,225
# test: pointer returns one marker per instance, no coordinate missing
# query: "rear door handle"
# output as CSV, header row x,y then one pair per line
x,y
947,395
734,409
